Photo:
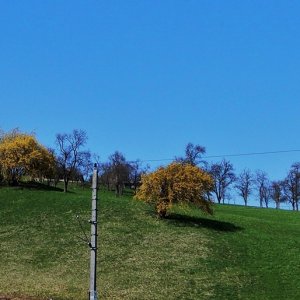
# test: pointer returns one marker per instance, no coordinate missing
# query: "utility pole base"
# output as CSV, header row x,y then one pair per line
x,y
93,295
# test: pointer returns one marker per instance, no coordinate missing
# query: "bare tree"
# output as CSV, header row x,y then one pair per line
x,y
106,176
193,154
223,175
291,186
244,185
136,172
84,169
119,171
276,192
70,157
263,187
85,165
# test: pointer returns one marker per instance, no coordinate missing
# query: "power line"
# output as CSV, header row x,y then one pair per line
x,y
224,155
254,153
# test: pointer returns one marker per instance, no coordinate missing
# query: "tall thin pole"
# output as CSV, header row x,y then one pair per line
x,y
93,245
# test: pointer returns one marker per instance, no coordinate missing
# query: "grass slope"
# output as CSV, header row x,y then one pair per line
x,y
240,253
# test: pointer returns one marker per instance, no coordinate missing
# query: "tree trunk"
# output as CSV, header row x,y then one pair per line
x,y
161,211
162,214
266,202
66,185
293,205
117,190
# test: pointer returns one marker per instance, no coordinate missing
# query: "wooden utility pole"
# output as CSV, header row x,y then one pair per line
x,y
93,244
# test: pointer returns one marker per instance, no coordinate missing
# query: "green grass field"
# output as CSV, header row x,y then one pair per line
x,y
239,253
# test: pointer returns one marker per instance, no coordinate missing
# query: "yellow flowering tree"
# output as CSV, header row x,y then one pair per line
x,y
21,154
176,183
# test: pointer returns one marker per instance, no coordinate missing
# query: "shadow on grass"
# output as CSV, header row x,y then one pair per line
x,y
37,186
183,220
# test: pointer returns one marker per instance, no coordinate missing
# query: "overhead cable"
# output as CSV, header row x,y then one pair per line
x,y
225,155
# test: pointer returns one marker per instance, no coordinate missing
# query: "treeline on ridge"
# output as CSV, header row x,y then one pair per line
x,y
22,157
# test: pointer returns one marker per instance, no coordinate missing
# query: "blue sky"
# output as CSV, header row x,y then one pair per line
x,y
147,77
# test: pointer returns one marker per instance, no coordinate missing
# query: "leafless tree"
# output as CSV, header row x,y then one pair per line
x,y
106,175
85,165
70,157
223,175
276,192
291,186
120,169
193,154
263,187
135,173
244,184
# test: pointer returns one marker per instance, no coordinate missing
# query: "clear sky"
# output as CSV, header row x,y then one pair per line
x,y
148,76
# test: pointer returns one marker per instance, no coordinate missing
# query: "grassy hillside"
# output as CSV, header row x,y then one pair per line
x,y
240,253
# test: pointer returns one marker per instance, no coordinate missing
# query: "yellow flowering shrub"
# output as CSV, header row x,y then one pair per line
x,y
21,154
176,183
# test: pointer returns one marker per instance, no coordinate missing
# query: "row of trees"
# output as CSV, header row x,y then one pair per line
x,y
22,155
257,184
158,187
246,183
